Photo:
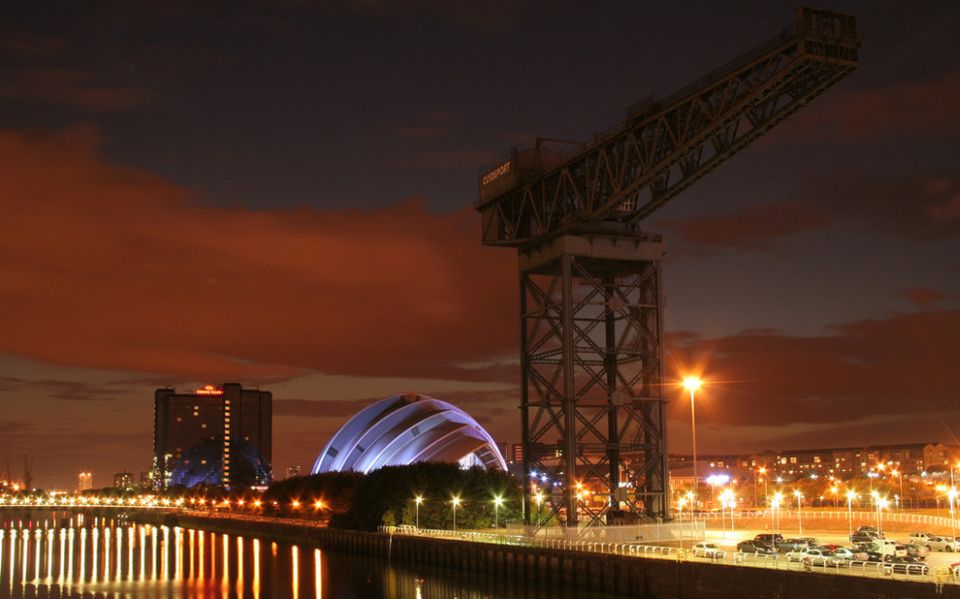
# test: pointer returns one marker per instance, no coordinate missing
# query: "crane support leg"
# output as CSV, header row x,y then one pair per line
x,y
592,399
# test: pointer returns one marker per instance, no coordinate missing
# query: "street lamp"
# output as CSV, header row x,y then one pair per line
x,y
455,501
497,502
799,496
951,495
539,498
899,475
851,495
680,503
881,505
418,500
692,384
775,503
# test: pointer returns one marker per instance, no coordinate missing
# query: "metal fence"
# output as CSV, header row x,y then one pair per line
x,y
915,572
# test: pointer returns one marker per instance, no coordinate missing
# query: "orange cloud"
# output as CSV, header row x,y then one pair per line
x,y
110,267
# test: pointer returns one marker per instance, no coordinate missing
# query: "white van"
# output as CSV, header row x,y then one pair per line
x,y
887,547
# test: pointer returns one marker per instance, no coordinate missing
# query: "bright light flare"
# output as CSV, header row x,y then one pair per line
x,y
692,383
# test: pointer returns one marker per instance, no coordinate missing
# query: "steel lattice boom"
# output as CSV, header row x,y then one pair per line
x,y
593,405
663,146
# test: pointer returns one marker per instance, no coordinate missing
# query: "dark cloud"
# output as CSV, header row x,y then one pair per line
x,y
924,297
927,109
905,363
915,205
427,126
73,87
127,271
750,227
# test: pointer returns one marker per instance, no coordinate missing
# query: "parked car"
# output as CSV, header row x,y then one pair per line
x,y
754,547
941,544
864,536
955,568
818,557
772,540
792,545
920,537
849,554
708,550
913,550
904,565
888,547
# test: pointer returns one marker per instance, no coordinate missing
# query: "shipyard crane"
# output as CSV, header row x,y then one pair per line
x,y
593,405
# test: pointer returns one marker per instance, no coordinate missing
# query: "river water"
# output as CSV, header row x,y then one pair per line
x,y
99,558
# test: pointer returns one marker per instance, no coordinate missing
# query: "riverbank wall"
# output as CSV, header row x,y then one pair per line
x,y
648,578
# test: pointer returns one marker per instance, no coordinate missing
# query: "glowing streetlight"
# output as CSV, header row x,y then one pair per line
x,y
455,502
418,500
692,384
851,495
881,505
539,498
951,495
799,496
899,475
775,504
497,502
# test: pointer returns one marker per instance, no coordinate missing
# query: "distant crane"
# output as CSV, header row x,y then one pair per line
x,y
592,385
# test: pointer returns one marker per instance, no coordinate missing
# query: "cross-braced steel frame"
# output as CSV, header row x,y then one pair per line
x,y
593,409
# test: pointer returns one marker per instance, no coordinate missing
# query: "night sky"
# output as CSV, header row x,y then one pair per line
x,y
281,194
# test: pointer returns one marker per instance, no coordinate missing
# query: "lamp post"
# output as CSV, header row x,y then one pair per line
x,y
899,475
951,495
881,505
680,503
799,496
777,499
851,495
455,501
539,498
692,384
497,502
418,500
763,472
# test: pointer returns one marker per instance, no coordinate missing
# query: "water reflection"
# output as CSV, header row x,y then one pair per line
x,y
103,558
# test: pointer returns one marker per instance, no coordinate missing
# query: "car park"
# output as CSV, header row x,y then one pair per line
x,y
708,550
904,565
941,544
754,547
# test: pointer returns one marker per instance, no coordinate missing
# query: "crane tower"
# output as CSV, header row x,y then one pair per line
x,y
593,405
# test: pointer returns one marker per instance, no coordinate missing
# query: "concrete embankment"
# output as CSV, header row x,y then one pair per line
x,y
637,577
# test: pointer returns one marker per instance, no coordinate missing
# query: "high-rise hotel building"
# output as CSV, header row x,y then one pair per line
x,y
213,436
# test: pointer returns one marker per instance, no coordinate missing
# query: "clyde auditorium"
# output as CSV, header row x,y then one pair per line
x,y
405,429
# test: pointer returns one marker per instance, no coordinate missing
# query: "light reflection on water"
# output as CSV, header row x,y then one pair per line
x,y
67,557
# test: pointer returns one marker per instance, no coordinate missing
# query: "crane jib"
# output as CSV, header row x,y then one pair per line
x,y
664,146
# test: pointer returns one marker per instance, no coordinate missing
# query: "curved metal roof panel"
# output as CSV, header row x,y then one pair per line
x,y
403,429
